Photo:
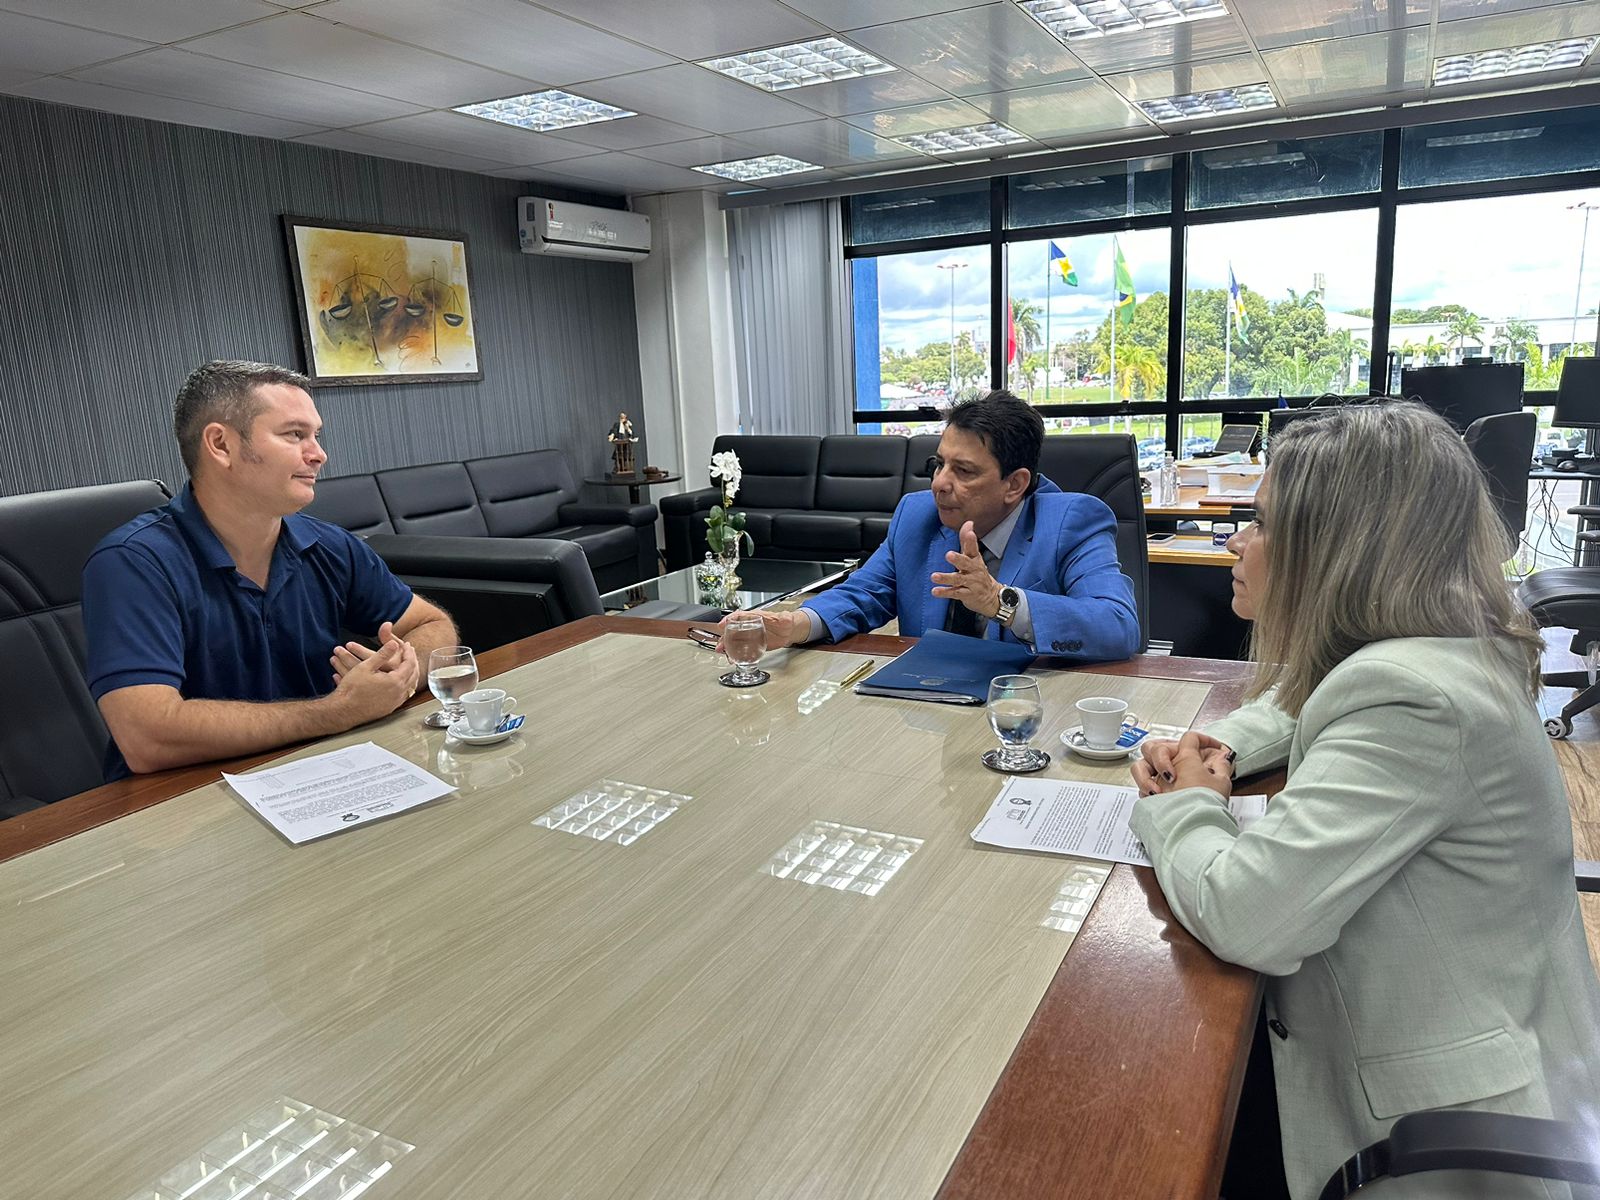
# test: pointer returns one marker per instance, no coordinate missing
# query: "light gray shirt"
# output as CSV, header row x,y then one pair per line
x,y
993,544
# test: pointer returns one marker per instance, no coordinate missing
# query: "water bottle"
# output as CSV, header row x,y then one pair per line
x,y
1169,480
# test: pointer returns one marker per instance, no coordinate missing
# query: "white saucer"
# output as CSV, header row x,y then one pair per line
x,y
462,732
1072,739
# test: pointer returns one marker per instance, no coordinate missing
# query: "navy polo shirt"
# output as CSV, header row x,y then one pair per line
x,y
163,603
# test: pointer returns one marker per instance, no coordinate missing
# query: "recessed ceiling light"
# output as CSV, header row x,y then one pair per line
x,y
545,110
1070,20
746,169
1513,60
968,137
1479,139
1196,105
800,65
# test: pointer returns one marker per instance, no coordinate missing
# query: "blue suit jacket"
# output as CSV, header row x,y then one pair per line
x,y
1062,553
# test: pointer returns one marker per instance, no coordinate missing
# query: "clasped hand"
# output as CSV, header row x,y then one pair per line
x,y
376,682
970,582
1194,760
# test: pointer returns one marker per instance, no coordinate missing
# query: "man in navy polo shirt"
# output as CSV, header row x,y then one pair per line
x,y
214,622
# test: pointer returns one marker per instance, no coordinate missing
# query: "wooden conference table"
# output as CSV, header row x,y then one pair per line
x,y
547,1015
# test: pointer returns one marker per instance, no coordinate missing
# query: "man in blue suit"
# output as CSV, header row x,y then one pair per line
x,y
993,550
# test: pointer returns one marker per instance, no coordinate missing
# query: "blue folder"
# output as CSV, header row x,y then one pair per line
x,y
947,668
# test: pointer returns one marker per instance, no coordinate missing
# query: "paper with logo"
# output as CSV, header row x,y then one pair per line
x,y
1085,820
947,668
316,796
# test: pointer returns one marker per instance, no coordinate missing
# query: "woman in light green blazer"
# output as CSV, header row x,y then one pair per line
x,y
1410,890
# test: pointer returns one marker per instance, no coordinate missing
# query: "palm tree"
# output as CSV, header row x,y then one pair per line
x,y
1137,367
1433,349
1297,377
1464,325
1349,348
1408,352
1312,298
1516,335
1025,320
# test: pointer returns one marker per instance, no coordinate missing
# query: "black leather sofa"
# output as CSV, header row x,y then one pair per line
x,y
832,497
57,745
526,495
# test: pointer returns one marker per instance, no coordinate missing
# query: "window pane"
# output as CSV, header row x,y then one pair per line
x,y
1498,276
1305,287
919,212
1289,170
1129,189
921,328
1061,315
1501,148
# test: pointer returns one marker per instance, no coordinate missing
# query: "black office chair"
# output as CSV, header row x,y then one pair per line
x,y
58,749
1567,598
1475,1141
1503,445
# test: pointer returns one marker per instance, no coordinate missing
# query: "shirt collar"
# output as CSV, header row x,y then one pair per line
x,y
299,532
996,539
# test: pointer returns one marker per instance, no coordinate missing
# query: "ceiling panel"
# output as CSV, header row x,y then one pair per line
x,y
829,144
1274,23
1185,42
919,118
698,98
474,136
1517,28
507,35
1378,64
311,48
30,47
866,93
1063,113
358,143
59,89
1189,77
188,76
627,133
147,20
697,152
1451,10
854,14
636,174
693,29
974,51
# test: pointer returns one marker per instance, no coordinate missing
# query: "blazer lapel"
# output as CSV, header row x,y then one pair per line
x,y
1020,545
934,609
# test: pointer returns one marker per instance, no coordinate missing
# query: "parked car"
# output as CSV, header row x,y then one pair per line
x,y
1197,445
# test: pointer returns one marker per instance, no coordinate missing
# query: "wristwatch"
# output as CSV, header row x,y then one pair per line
x,y
1009,599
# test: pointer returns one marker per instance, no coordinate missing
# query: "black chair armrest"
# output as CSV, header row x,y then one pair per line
x,y
529,560
686,504
1584,510
578,513
1472,1141
1586,874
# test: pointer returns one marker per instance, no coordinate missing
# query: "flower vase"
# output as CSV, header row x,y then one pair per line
x,y
728,561
708,576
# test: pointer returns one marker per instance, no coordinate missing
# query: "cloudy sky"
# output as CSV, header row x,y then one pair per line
x,y
1501,257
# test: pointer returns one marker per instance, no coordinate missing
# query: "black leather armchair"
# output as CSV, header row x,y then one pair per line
x,y
45,539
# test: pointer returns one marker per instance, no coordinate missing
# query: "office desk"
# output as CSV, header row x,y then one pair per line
x,y
1190,508
547,1015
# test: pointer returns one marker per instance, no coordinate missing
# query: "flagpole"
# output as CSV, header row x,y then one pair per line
x,y
1227,346
1047,320
1113,342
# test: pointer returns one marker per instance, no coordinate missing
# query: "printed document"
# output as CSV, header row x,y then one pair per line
x,y
323,794
1085,820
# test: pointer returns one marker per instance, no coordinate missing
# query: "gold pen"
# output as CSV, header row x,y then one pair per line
x,y
858,674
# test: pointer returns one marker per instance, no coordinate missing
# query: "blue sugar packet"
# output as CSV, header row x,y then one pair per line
x,y
511,723
1131,735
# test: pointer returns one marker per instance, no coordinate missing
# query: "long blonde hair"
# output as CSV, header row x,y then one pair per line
x,y
1378,525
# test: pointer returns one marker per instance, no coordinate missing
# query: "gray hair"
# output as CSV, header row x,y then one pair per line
x,y
224,390
1378,525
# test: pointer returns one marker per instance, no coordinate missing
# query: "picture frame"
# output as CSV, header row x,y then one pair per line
x,y
382,303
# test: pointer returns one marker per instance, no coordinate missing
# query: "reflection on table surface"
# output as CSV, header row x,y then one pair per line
x,y
800,977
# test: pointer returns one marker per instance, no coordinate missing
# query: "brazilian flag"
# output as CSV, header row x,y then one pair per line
x,y
1122,282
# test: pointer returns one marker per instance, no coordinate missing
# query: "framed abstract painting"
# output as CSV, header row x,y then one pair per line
x,y
381,304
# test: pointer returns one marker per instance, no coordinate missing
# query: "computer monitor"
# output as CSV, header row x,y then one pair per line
x,y
1463,394
1578,400
1251,419
1280,419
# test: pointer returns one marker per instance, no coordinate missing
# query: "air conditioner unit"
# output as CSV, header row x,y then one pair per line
x,y
581,231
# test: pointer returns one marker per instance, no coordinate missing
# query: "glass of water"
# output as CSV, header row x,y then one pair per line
x,y
744,641
452,673
1015,714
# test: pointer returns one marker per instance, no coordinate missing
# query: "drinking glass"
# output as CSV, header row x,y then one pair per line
x,y
744,641
452,673
1015,714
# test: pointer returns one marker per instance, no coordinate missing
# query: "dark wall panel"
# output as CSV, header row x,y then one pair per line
x,y
131,251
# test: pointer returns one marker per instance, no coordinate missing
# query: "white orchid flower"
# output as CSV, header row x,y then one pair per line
x,y
725,466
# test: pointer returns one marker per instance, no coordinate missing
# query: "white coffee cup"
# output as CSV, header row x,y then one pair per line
x,y
1102,718
485,707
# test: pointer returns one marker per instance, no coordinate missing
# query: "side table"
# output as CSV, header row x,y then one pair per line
x,y
632,482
